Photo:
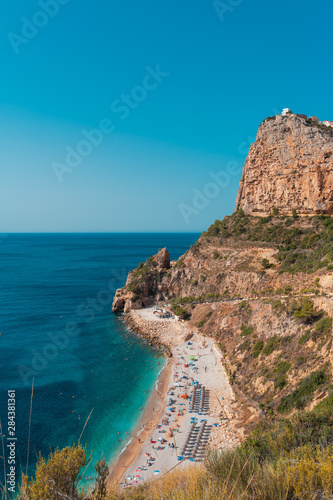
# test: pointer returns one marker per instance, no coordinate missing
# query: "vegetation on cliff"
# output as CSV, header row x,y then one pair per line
x,y
303,244
273,347
147,272
143,282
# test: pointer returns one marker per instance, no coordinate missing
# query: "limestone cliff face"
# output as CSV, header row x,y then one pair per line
x,y
289,166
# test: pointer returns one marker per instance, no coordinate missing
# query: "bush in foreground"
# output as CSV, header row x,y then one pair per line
x,y
285,459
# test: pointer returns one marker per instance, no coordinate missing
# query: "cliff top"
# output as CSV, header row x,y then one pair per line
x,y
289,166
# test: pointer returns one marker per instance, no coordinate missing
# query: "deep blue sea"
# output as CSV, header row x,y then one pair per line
x,y
57,327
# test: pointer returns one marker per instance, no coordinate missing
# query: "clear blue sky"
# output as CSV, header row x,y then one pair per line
x,y
224,77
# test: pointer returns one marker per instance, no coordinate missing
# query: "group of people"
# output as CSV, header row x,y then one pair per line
x,y
177,406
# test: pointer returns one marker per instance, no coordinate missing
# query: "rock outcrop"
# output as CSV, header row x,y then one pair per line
x,y
163,259
289,166
143,284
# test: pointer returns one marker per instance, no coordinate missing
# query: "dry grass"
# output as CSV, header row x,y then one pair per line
x,y
224,477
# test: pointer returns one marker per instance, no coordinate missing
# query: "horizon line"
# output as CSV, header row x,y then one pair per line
x,y
102,232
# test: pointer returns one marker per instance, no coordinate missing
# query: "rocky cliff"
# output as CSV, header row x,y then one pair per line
x,y
289,166
261,281
141,289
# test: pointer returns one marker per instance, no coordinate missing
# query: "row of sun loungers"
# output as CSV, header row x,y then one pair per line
x,y
199,401
196,442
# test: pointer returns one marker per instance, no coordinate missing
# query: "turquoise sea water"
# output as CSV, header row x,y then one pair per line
x,y
56,325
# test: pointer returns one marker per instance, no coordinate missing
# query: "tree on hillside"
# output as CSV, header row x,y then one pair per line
x,y
266,264
306,312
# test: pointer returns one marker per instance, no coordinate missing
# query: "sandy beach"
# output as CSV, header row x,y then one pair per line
x,y
191,408
149,419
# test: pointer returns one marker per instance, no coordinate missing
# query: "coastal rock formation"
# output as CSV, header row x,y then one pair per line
x,y
143,284
260,281
289,166
163,259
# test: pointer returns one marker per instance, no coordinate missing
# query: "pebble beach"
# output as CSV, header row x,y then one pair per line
x,y
192,408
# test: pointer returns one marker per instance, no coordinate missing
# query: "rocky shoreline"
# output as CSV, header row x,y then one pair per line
x,y
151,330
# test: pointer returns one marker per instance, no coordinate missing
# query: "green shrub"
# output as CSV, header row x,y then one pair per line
x,y
179,311
244,346
305,337
266,264
242,305
295,216
180,261
283,367
280,382
246,330
306,312
271,345
304,392
257,348
324,325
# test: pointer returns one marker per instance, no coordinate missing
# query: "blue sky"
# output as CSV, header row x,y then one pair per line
x,y
201,87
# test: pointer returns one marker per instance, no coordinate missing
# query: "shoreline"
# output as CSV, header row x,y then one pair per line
x,y
177,376
152,337
152,413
